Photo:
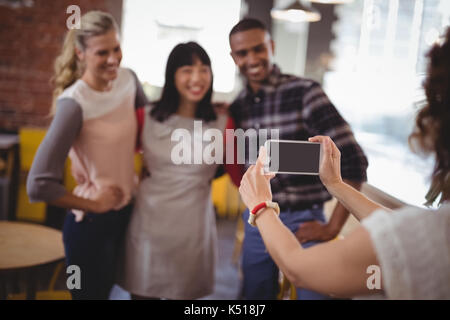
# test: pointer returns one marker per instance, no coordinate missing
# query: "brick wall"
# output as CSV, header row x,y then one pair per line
x,y
30,40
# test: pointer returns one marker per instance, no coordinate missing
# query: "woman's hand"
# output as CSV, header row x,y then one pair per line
x,y
255,184
107,199
330,166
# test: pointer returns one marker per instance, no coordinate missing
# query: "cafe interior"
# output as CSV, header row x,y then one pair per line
x,y
368,55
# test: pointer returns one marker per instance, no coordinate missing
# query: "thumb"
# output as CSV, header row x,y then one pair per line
x,y
262,157
259,167
262,160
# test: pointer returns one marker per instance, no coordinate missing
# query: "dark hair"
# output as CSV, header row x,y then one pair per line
x,y
247,24
432,130
183,54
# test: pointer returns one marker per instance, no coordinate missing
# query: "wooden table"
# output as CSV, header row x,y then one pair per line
x,y
24,247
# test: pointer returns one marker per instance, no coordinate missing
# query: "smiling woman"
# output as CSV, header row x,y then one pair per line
x,y
192,82
93,97
189,84
84,51
171,243
101,60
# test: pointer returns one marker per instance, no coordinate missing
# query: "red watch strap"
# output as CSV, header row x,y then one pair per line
x,y
259,207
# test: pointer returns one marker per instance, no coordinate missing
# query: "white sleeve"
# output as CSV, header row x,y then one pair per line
x,y
412,249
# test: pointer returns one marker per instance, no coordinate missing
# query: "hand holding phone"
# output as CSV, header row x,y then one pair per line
x,y
255,184
330,165
292,157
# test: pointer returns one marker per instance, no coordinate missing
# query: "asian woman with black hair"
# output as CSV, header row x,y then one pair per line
x,y
171,240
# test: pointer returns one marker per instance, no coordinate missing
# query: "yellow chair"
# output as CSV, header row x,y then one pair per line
x,y
238,241
69,180
218,195
138,163
226,198
287,289
30,139
50,293
228,204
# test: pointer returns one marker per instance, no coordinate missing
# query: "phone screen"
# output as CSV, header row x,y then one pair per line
x,y
297,157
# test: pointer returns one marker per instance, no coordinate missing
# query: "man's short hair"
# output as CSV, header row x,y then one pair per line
x,y
247,24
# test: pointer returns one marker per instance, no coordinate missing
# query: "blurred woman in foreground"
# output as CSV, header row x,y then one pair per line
x,y
411,246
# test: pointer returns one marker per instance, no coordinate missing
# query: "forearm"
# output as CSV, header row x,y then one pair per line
x,y
71,201
340,212
357,203
334,267
280,242
45,179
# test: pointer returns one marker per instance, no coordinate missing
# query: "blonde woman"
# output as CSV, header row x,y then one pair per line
x,y
94,122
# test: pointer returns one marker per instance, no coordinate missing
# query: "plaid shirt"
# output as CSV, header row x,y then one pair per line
x,y
299,109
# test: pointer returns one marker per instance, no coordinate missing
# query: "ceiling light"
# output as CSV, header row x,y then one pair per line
x,y
331,1
297,12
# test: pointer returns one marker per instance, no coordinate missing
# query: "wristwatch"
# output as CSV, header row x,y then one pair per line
x,y
259,207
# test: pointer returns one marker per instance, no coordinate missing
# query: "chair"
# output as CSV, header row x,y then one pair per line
x,y
287,289
226,199
228,204
30,139
238,241
50,293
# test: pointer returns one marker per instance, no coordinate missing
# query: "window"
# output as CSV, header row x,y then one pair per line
x,y
150,30
376,83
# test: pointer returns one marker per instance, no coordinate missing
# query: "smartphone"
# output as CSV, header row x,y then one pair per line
x,y
292,157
